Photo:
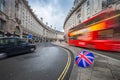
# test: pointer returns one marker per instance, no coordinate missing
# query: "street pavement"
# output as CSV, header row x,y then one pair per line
x,y
47,63
105,67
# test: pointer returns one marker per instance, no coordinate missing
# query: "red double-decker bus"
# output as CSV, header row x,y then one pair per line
x,y
102,32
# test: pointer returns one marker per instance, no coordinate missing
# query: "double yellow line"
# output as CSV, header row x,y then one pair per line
x,y
61,77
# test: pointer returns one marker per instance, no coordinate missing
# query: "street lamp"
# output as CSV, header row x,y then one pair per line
x,y
56,36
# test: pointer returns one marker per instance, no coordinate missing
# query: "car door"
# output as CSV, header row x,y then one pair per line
x,y
23,46
11,48
15,47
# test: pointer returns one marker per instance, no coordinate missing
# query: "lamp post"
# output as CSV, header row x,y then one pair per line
x,y
56,36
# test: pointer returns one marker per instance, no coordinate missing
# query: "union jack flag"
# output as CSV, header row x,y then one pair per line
x,y
84,59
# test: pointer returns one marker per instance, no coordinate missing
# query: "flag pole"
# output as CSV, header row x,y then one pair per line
x,y
92,66
79,74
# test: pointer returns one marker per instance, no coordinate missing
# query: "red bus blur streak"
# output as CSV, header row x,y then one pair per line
x,y
102,33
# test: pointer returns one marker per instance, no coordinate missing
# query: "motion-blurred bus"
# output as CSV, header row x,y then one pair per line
x,y
101,31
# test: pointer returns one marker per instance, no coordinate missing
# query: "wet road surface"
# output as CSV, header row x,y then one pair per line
x,y
46,63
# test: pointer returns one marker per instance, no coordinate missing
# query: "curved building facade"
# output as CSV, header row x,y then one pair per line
x,y
84,9
18,19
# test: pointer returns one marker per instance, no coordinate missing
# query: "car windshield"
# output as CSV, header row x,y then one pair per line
x,y
2,42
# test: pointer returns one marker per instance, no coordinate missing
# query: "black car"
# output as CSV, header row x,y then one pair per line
x,y
13,46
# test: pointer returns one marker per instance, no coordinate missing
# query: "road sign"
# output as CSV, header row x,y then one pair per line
x,y
29,36
84,59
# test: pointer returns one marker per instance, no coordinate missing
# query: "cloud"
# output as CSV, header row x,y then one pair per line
x,y
51,11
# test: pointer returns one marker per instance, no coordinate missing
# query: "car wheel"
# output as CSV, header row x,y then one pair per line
x,y
3,55
32,49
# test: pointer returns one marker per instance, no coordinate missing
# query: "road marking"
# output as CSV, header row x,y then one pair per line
x,y
61,77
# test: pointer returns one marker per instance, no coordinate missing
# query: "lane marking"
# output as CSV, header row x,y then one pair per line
x,y
61,77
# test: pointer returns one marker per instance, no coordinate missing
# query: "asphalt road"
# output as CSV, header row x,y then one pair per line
x,y
48,62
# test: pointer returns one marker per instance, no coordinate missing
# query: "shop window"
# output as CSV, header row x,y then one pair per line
x,y
2,24
1,35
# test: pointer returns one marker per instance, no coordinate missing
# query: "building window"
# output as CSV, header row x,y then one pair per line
x,y
104,3
79,18
88,3
75,2
79,0
88,17
80,21
17,30
2,5
88,10
110,1
2,24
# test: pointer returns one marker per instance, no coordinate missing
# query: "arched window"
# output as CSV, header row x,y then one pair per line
x,y
17,30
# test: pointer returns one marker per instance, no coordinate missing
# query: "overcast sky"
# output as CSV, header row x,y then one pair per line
x,y
52,11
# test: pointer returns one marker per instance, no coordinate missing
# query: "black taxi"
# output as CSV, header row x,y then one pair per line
x,y
10,46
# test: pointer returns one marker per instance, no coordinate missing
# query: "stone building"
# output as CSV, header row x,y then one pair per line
x,y
84,9
60,36
18,19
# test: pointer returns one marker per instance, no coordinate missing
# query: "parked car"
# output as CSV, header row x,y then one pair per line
x,y
13,46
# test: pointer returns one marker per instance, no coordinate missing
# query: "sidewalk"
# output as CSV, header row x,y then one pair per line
x,y
104,68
